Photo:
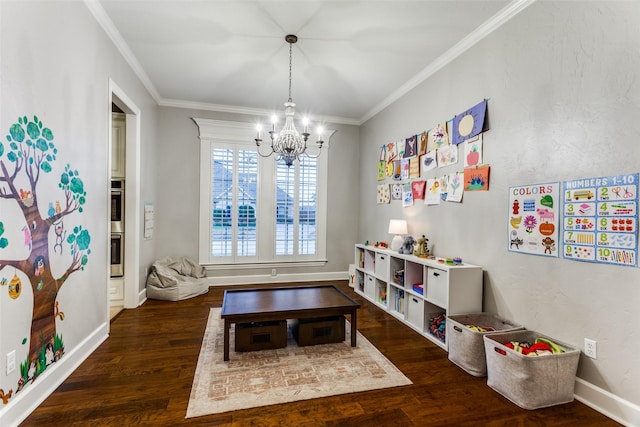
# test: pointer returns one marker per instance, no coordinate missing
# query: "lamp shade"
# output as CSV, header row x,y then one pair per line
x,y
397,226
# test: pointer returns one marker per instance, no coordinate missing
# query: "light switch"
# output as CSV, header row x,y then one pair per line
x,y
11,361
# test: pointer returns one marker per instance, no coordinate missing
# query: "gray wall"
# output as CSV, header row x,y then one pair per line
x,y
56,62
562,78
178,177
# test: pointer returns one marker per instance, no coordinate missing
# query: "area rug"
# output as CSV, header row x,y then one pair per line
x,y
268,377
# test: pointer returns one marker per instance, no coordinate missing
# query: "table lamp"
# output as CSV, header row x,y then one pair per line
x,y
399,228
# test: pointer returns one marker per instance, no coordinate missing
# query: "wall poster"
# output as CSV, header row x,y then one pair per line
x,y
533,219
601,220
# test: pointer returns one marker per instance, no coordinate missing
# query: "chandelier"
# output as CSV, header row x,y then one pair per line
x,y
288,144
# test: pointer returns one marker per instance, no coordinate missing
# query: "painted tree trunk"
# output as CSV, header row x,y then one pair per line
x,y
45,287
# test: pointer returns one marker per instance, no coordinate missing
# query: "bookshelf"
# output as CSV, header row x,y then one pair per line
x,y
420,292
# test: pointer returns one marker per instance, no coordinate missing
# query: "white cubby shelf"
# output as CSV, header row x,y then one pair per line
x,y
417,290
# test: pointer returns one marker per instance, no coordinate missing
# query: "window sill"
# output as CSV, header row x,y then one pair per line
x,y
275,264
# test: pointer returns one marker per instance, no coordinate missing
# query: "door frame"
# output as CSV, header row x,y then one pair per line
x,y
133,295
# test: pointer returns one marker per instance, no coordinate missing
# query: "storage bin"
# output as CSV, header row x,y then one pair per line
x,y
415,311
381,268
466,346
437,286
530,382
319,330
261,335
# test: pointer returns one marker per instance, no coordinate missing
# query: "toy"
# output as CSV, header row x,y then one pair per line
x,y
407,246
422,249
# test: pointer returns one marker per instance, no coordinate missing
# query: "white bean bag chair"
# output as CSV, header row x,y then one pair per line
x,y
176,278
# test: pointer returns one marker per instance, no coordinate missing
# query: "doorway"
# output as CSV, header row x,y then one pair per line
x,y
124,172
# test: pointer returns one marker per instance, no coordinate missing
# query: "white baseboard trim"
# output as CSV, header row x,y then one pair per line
x,y
279,278
142,296
33,395
614,407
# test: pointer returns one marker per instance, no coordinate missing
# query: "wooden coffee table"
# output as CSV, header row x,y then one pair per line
x,y
291,302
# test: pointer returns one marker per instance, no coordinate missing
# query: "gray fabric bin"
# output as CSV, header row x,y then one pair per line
x,y
466,346
530,382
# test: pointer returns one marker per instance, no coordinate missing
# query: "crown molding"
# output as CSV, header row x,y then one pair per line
x,y
508,12
107,25
458,49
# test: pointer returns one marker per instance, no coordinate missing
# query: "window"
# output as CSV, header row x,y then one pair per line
x,y
255,211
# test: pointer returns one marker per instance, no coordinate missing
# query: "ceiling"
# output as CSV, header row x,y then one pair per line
x,y
351,60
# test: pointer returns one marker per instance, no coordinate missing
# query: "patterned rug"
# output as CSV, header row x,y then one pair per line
x,y
267,377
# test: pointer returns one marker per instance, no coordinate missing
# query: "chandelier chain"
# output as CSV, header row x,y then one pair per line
x,y
290,61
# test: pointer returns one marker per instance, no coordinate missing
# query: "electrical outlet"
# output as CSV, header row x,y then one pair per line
x,y
274,272
11,361
590,348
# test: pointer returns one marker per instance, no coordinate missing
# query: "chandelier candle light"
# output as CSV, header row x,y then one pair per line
x,y
399,228
289,144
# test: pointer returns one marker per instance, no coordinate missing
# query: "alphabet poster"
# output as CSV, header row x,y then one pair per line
x,y
533,219
601,220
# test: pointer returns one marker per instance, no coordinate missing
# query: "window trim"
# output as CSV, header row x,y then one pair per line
x,y
213,132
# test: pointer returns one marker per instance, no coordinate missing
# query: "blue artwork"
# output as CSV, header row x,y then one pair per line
x,y
469,123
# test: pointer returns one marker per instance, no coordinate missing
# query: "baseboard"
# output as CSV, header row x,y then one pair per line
x,y
614,407
31,397
279,278
142,296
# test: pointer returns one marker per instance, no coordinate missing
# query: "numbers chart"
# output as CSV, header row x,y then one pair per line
x,y
600,222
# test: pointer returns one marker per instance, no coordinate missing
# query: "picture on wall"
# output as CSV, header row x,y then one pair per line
x,y
432,192
383,194
469,123
411,147
473,151
428,161
447,155
601,220
455,187
476,178
418,188
533,219
437,137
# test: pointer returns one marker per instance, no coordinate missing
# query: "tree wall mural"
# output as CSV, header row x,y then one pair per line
x,y
25,159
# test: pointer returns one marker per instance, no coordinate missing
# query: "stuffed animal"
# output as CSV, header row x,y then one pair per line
x,y
407,245
422,249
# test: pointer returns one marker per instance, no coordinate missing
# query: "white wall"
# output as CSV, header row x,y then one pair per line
x,y
56,62
562,78
178,177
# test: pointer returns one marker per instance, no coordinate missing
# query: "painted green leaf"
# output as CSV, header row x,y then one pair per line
x,y
12,156
1,149
13,146
46,167
42,144
4,242
83,240
33,130
77,186
47,134
64,179
17,132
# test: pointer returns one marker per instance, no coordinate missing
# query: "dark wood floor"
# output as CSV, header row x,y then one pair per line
x,y
142,375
